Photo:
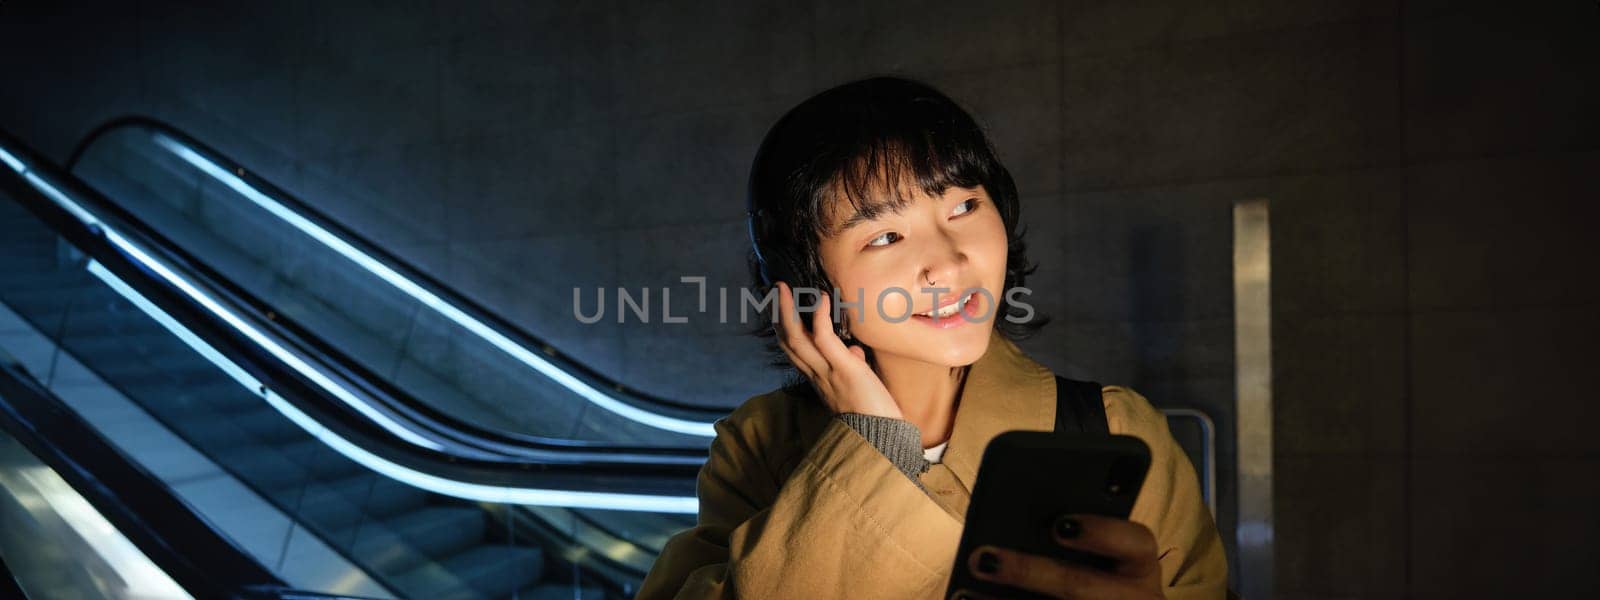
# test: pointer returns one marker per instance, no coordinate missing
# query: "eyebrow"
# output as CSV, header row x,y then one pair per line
x,y
865,214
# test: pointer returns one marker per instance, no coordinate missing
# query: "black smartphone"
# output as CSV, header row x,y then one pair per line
x,y
1028,479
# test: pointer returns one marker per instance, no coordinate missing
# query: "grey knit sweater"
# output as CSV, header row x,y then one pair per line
x,y
899,440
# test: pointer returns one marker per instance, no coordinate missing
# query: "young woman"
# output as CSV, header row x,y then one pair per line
x,y
852,480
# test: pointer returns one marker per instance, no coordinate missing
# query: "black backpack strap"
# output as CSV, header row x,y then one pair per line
x,y
1079,408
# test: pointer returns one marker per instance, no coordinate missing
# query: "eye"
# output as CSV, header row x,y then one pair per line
x,y
971,204
885,239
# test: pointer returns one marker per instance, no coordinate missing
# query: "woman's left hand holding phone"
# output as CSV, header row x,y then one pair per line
x,y
1135,572
841,375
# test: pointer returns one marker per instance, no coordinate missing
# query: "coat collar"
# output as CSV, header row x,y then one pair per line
x,y
1004,390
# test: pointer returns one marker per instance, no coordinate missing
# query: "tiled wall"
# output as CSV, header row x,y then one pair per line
x,y
1430,167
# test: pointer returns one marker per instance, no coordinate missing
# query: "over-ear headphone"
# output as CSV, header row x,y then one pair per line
x,y
750,215
841,328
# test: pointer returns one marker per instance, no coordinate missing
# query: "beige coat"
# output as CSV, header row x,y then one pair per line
x,y
796,504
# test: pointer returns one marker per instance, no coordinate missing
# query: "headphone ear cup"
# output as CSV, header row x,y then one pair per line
x,y
755,247
766,278
777,267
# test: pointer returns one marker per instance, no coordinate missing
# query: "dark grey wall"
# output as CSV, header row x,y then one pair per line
x,y
1430,167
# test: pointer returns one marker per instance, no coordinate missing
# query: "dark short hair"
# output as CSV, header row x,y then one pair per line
x,y
865,138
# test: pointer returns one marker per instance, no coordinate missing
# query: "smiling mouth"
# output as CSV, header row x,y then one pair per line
x,y
949,310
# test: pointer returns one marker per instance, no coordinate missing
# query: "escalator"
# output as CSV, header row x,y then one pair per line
x,y
397,326
420,501
78,520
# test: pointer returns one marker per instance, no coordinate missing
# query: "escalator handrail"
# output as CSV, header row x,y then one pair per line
x,y
441,423
563,471
501,325
141,507
438,422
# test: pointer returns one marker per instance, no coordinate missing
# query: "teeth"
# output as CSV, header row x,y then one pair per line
x,y
948,310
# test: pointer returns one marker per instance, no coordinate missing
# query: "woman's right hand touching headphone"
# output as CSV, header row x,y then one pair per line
x,y
840,374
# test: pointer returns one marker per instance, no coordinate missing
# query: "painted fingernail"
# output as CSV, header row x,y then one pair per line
x,y
988,562
1068,528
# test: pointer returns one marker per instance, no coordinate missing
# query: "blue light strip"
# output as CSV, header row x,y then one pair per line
x,y
11,161
61,199
216,308
450,311
432,483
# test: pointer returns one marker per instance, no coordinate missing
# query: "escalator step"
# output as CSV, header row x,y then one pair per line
x,y
649,530
484,571
404,543
560,591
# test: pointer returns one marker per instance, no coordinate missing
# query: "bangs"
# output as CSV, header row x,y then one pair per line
x,y
881,179
886,157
